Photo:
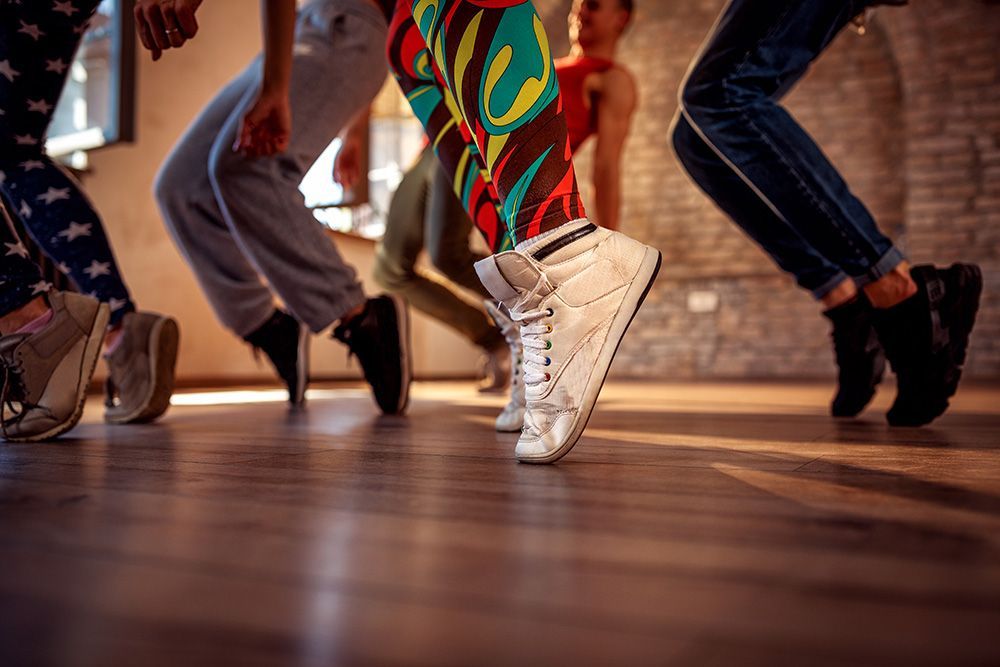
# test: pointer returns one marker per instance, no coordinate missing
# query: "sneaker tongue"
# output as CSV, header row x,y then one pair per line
x,y
507,275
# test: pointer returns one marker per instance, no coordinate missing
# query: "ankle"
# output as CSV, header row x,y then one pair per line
x,y
891,289
25,315
844,293
113,339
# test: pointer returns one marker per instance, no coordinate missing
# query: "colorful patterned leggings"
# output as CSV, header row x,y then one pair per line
x,y
480,77
37,43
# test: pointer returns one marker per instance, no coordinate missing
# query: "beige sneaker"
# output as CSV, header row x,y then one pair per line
x,y
574,294
46,374
141,369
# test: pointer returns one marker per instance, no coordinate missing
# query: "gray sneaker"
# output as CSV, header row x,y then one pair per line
x,y
141,370
46,374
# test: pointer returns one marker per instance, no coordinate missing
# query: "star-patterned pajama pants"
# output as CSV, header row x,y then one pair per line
x,y
38,39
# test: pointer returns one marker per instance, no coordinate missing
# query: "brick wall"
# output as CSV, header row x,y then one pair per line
x,y
909,112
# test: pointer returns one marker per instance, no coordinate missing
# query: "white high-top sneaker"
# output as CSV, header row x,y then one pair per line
x,y
574,294
511,420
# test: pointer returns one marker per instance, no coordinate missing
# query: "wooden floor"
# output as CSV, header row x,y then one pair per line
x,y
693,525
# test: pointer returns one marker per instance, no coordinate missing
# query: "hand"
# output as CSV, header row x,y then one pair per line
x,y
347,165
266,127
165,24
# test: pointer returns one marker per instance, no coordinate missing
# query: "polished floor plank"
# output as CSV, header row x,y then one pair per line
x,y
694,524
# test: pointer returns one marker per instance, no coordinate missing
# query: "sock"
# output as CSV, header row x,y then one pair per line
x,y
37,324
544,236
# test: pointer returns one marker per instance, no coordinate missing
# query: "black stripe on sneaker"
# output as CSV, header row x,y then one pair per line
x,y
564,241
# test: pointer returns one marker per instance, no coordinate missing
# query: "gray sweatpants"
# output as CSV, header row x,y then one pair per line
x,y
242,223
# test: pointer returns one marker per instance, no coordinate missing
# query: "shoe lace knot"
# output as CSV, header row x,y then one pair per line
x,y
13,397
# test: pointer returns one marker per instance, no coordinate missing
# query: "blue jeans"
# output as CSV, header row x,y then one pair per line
x,y
754,160
37,44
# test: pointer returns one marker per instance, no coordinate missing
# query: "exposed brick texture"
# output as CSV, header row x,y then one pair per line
x,y
909,112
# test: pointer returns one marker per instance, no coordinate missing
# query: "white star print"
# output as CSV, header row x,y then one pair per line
x,y
31,165
53,194
40,106
57,66
66,8
25,211
63,267
25,140
117,304
40,287
76,230
98,269
31,29
16,249
8,71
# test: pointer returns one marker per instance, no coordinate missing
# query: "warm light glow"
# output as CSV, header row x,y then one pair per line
x,y
244,396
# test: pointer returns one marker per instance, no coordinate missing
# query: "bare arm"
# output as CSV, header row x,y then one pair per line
x,y
615,107
267,125
347,166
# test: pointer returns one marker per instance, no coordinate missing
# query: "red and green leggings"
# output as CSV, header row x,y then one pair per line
x,y
480,77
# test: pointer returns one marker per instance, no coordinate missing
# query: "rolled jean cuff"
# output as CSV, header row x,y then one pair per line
x,y
884,266
828,286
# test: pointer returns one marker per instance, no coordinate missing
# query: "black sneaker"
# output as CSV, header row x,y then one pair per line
x,y
380,339
926,338
285,341
860,358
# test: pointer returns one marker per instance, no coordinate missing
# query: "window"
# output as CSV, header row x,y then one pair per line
x,y
97,106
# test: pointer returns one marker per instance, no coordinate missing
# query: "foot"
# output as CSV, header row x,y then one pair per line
x,y
380,339
285,342
926,338
574,295
46,373
495,370
511,420
859,355
141,369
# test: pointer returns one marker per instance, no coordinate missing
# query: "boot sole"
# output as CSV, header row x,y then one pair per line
x,y
636,294
164,341
91,354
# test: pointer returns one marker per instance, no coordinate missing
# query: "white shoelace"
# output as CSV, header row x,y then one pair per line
x,y
533,342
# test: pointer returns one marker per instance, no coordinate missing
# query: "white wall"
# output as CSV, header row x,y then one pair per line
x,y
170,93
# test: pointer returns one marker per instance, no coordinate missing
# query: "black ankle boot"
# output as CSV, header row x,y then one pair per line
x,y
926,338
285,342
859,355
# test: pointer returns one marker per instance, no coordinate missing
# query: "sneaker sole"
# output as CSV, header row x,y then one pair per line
x,y
164,341
636,295
90,356
298,399
405,358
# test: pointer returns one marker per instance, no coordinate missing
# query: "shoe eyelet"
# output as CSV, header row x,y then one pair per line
x,y
548,328
548,361
547,377
548,345
549,312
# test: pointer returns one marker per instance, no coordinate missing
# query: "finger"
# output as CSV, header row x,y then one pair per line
x,y
157,27
142,29
146,36
187,21
172,28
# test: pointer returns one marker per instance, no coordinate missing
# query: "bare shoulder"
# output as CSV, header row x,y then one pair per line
x,y
619,89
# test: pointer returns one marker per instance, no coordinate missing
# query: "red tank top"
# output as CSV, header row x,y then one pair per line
x,y
581,117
